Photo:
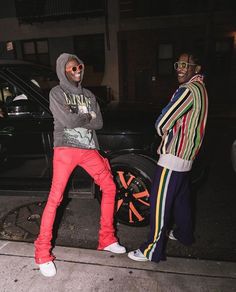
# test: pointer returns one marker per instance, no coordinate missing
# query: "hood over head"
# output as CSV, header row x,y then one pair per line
x,y
60,69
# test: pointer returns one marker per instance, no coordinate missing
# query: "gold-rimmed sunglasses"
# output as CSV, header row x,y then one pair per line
x,y
183,65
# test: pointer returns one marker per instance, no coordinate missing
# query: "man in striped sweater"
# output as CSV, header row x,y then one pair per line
x,y
181,126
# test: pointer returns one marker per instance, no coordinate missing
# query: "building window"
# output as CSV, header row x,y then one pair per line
x,y
223,55
36,51
30,11
92,6
91,49
146,8
165,59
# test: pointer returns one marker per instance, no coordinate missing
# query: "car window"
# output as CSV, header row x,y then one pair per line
x,y
43,79
17,103
6,92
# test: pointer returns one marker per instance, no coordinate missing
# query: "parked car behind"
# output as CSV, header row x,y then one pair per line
x,y
127,139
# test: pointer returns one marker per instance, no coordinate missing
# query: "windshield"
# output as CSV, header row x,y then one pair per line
x,y
40,77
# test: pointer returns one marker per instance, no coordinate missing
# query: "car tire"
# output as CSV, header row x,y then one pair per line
x,y
133,177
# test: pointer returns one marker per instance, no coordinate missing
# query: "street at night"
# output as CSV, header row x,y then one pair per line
x,y
213,204
111,114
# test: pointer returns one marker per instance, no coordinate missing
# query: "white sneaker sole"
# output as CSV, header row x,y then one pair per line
x,y
135,258
48,269
171,236
115,248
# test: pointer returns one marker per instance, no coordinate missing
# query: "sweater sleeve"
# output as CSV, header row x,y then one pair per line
x,y
97,122
180,104
61,112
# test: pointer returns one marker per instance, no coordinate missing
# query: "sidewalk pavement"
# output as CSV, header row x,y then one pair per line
x,y
91,270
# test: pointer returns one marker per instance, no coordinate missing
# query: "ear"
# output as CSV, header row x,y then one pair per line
x,y
197,69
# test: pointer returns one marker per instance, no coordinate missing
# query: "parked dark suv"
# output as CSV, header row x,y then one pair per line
x,y
127,139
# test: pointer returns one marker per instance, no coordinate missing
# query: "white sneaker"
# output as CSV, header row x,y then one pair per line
x,y
171,235
115,248
137,255
48,269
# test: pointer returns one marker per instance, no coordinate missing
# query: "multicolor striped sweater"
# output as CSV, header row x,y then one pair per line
x,y
182,125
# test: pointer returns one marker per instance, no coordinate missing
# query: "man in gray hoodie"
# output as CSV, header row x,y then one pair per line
x,y
76,116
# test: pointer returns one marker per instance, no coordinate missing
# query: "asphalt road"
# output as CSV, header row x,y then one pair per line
x,y
214,208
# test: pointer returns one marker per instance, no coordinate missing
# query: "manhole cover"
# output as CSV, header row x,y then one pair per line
x,y
23,222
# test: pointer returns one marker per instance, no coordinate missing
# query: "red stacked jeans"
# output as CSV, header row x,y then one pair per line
x,y
65,159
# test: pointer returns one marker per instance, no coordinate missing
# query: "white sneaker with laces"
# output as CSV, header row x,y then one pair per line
x,y
115,248
137,255
48,269
171,235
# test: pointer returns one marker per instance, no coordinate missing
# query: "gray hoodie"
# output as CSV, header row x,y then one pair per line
x,y
71,106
